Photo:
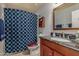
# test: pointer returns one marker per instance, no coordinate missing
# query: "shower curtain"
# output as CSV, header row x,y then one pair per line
x,y
2,33
20,29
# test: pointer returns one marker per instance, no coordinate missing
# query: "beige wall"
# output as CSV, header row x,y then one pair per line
x,y
47,12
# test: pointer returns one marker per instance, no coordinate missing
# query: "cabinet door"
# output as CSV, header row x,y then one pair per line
x,y
47,51
41,50
57,54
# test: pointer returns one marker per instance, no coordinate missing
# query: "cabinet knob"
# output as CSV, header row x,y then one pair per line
x,y
50,54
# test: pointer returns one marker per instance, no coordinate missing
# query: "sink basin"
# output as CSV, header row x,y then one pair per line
x,y
60,39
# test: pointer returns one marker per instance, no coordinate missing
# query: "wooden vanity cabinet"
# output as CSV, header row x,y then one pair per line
x,y
50,48
46,50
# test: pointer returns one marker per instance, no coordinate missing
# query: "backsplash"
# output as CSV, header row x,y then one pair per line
x,y
71,35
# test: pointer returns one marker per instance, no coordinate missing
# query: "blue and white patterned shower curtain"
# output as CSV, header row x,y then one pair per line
x,y
2,30
20,29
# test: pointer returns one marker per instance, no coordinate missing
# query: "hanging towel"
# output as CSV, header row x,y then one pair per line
x,y
1,29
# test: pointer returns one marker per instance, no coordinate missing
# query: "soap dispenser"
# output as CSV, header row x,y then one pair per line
x,y
77,35
51,34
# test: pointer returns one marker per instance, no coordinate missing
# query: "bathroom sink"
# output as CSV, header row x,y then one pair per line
x,y
60,39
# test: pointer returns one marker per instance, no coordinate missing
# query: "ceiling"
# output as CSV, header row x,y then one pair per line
x,y
56,4
32,7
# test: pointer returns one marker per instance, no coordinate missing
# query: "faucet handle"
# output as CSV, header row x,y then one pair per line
x,y
77,35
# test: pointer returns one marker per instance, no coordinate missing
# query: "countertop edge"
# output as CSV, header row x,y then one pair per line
x,y
70,47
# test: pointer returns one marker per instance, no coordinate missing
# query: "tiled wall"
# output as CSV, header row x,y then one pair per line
x,y
20,29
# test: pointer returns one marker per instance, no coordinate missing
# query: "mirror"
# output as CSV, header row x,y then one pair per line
x,y
66,17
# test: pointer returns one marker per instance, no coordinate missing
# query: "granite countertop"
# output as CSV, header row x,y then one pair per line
x,y
68,44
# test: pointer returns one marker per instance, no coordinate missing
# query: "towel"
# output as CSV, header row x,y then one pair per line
x,y
1,30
